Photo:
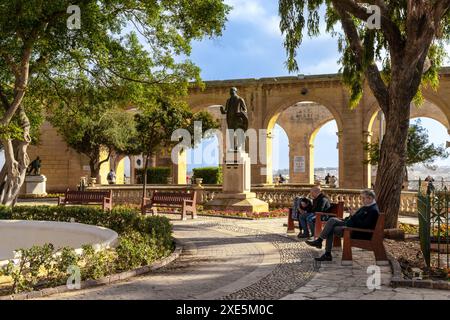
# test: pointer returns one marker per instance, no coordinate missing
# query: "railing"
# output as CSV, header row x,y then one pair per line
x,y
277,197
433,213
439,184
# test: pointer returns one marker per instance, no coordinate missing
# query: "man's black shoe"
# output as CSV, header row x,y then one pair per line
x,y
316,243
303,236
325,257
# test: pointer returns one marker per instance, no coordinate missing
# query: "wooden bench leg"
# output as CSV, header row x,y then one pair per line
x,y
291,226
184,214
194,213
337,242
347,258
318,228
380,254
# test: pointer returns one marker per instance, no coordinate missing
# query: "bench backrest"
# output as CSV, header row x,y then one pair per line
x,y
337,209
379,228
86,196
171,198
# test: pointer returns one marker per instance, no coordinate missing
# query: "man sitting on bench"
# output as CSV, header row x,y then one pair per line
x,y
320,204
365,218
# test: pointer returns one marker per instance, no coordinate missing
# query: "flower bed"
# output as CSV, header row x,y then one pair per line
x,y
36,196
276,213
142,240
410,258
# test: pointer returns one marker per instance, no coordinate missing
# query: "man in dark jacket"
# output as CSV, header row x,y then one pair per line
x,y
365,218
320,204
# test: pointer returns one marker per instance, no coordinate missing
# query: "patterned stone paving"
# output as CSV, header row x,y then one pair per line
x,y
231,259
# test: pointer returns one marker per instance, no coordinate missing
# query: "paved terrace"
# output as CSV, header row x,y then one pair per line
x,y
242,259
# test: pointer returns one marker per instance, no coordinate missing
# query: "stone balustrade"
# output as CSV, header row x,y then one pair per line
x,y
277,197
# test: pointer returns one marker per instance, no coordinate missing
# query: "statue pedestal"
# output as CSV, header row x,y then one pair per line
x,y
36,185
236,195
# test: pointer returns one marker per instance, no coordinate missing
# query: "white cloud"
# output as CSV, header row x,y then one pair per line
x,y
447,60
253,11
329,65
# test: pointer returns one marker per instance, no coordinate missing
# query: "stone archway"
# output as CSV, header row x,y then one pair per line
x,y
180,162
301,121
429,109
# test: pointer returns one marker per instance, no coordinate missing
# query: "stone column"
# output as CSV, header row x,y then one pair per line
x,y
179,168
367,138
341,167
352,171
132,169
448,142
299,147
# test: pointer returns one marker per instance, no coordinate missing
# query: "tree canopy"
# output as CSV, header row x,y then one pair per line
x,y
43,53
393,47
369,54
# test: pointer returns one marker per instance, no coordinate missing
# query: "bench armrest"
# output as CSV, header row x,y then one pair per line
x,y
323,214
146,201
348,229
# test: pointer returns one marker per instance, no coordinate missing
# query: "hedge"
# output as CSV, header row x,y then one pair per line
x,y
210,175
157,175
142,240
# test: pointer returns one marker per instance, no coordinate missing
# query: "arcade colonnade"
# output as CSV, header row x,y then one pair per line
x,y
302,105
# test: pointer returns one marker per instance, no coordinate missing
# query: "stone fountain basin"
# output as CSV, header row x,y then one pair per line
x,y
21,234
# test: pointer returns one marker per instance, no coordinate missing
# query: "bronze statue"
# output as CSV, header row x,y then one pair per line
x,y
236,111
35,166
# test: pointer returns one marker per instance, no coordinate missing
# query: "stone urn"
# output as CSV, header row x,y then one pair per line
x,y
92,181
199,181
277,180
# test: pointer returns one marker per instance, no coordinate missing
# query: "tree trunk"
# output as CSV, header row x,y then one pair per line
x,y
392,165
95,168
95,164
12,175
144,186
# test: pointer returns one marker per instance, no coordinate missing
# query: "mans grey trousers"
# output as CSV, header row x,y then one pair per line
x,y
333,227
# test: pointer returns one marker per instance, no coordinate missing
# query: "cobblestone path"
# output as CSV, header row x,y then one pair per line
x,y
222,259
241,259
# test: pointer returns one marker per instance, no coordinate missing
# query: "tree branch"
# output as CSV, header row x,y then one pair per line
x,y
388,27
4,99
372,73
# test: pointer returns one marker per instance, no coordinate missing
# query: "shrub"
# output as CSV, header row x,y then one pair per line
x,y
135,250
26,275
96,264
210,175
142,239
156,175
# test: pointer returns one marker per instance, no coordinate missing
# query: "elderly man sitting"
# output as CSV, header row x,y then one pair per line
x,y
365,218
307,220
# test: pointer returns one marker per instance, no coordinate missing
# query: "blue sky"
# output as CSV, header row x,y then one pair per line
x,y
252,47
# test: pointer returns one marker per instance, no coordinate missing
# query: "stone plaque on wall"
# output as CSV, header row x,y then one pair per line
x,y
299,164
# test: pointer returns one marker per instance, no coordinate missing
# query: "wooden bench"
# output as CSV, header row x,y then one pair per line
x,y
374,244
87,197
336,211
185,201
